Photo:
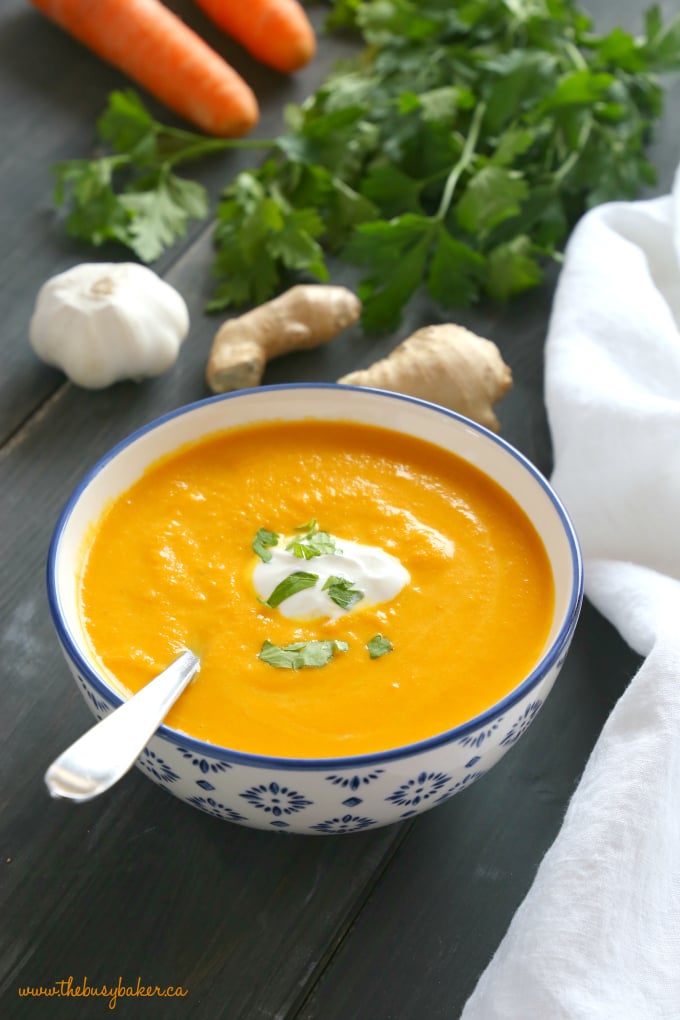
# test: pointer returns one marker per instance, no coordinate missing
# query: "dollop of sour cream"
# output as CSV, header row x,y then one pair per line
x,y
374,572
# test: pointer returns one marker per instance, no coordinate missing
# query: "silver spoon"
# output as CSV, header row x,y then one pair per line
x,y
110,748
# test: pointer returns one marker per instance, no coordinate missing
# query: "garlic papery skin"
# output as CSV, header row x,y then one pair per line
x,y
102,322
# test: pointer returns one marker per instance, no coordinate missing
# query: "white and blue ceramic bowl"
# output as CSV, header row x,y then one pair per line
x,y
334,795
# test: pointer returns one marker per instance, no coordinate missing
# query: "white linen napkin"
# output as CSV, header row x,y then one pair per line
x,y
598,934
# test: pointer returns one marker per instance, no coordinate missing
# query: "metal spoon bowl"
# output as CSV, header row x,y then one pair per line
x,y
110,748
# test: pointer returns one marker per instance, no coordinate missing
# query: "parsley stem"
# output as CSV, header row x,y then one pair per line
x,y
204,147
462,164
192,138
577,58
574,156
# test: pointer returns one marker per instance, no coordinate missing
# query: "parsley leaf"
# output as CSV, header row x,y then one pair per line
x,y
309,527
299,580
95,212
301,654
379,646
492,195
260,236
661,48
456,272
264,541
160,210
343,592
512,267
313,543
131,194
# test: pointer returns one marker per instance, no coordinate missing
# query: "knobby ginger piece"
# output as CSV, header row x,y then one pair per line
x,y
447,365
301,318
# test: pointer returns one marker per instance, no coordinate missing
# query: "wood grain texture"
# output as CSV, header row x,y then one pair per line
x,y
395,924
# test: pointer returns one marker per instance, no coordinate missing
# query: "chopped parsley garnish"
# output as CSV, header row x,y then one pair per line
x,y
301,654
378,646
263,542
343,592
313,543
291,585
308,528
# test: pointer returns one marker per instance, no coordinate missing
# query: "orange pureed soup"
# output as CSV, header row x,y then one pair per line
x,y
171,564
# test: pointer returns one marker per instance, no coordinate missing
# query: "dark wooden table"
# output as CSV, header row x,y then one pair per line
x,y
392,924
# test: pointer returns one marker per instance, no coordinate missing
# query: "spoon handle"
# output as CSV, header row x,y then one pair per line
x,y
110,748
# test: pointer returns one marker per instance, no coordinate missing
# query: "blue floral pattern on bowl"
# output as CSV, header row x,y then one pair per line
x,y
157,767
423,787
206,765
289,796
522,723
347,823
276,799
486,733
99,707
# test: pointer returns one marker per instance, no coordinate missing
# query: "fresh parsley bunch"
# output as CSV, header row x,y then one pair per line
x,y
455,153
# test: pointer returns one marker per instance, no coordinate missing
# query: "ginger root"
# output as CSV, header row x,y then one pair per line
x,y
301,318
447,365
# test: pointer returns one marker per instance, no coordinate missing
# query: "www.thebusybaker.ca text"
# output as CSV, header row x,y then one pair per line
x,y
68,988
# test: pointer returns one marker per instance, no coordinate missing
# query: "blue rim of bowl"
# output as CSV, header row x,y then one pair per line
x,y
216,752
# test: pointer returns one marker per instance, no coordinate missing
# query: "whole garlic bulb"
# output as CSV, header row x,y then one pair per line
x,y
101,322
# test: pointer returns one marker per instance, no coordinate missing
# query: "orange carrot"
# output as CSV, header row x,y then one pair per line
x,y
144,39
277,32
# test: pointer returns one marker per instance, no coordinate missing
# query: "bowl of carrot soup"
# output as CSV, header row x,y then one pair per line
x,y
382,594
